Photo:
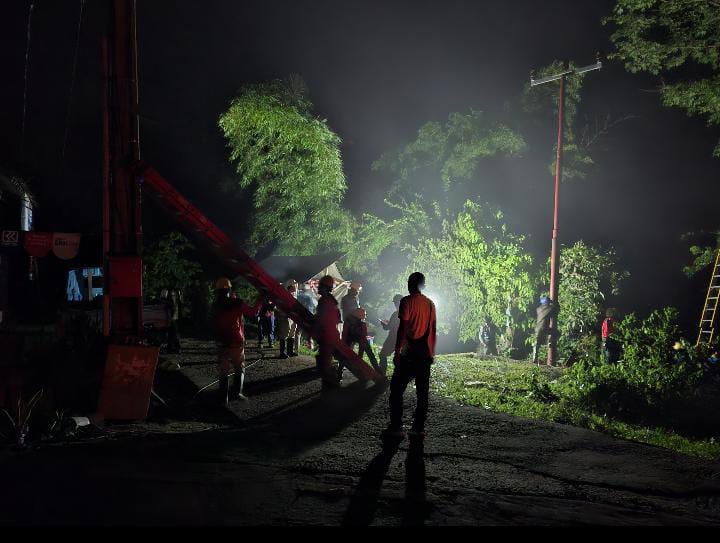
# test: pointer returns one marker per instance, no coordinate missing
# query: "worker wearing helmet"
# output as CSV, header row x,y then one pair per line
x,y
325,331
356,331
391,326
230,336
546,312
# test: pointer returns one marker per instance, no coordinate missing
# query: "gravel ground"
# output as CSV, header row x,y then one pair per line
x,y
293,457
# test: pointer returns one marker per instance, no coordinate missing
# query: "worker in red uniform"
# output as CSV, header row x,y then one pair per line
x,y
610,345
414,356
357,332
326,332
230,336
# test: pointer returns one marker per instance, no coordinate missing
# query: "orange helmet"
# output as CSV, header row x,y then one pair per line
x,y
328,282
360,314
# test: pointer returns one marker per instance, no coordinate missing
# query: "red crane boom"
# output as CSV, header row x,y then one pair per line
x,y
217,242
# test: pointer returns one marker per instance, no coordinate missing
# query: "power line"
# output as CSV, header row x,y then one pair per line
x,y
73,78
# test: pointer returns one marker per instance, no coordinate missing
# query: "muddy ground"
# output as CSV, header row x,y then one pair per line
x,y
292,457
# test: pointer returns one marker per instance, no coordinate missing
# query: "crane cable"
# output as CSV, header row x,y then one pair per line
x,y
73,78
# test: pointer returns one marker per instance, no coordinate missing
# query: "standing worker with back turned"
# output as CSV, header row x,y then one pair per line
x,y
414,356
326,332
546,311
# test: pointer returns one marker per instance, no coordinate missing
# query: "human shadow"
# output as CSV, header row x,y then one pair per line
x,y
364,502
416,507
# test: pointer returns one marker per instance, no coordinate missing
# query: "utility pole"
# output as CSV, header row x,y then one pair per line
x,y
554,254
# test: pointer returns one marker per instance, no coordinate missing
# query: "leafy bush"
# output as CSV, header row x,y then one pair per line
x,y
651,384
168,264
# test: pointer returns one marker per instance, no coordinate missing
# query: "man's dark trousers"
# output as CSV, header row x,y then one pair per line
x,y
408,368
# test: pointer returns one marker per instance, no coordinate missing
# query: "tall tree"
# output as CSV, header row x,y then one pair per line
x,y
290,162
589,276
679,41
477,269
444,156
429,175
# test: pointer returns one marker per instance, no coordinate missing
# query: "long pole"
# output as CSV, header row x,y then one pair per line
x,y
106,184
555,256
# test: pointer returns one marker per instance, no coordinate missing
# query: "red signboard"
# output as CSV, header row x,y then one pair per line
x,y
38,244
127,383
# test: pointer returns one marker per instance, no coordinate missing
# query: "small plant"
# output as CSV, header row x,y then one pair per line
x,y
20,419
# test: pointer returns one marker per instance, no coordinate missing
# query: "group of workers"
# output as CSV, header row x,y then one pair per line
x,y
411,340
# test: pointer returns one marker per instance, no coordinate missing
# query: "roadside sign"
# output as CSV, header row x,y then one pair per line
x,y
10,238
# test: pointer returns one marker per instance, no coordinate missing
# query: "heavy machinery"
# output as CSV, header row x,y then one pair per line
x,y
131,365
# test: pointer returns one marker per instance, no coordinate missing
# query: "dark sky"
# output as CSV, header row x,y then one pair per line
x,y
377,70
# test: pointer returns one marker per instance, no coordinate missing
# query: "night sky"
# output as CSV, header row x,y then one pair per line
x,y
377,71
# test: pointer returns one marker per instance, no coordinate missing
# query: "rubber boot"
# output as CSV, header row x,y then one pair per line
x,y
283,354
291,348
224,390
236,392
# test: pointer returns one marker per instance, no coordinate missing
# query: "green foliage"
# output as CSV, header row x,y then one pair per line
x,y
588,276
477,269
544,100
439,162
168,263
651,384
703,256
524,390
290,162
678,40
448,153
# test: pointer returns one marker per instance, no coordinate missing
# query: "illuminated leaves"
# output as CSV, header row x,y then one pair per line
x,y
290,162
588,277
478,269
449,153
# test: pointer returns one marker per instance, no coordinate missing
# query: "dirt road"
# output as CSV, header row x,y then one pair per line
x,y
291,457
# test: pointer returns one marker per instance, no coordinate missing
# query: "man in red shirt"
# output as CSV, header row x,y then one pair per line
x,y
414,355
610,345
326,332
230,336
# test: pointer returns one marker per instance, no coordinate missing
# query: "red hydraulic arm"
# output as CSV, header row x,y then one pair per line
x,y
217,242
